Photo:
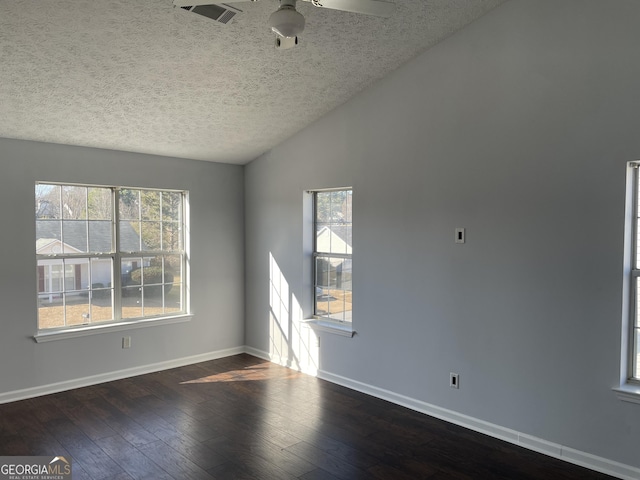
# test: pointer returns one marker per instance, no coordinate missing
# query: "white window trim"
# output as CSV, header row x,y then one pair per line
x,y
628,393
344,329
50,335
317,323
629,388
62,333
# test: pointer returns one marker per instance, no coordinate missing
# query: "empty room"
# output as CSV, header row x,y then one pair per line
x,y
361,239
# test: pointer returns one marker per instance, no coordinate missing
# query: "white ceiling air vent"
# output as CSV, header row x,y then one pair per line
x,y
220,13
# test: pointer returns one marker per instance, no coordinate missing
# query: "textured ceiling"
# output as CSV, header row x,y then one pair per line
x,y
143,76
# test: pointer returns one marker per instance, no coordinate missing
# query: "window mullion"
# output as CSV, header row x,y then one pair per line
x,y
329,254
117,263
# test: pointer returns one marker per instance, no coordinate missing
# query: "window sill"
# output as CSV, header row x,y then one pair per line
x,y
49,336
628,392
337,328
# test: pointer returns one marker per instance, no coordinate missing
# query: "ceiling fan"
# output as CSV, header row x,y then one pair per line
x,y
286,22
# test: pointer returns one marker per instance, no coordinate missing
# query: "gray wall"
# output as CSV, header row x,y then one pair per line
x,y
217,271
518,129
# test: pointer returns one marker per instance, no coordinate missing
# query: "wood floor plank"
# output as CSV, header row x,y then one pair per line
x,y
318,457
132,460
198,452
12,445
174,463
120,422
94,461
318,474
92,426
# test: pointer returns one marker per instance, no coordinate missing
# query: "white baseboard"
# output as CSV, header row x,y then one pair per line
x,y
540,445
577,457
280,360
117,375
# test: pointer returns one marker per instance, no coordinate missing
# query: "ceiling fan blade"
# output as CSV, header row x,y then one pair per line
x,y
378,8
194,3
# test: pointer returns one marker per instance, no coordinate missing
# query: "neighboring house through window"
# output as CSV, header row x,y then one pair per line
x,y
98,263
332,254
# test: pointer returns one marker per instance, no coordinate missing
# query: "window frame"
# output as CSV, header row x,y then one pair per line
x,y
633,364
116,257
327,322
629,387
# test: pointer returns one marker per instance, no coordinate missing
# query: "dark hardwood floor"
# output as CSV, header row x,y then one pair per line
x,y
243,418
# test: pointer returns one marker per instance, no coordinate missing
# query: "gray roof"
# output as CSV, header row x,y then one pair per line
x,y
342,231
75,234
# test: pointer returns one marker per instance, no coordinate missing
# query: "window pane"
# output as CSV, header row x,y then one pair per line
x,y
50,278
101,273
338,206
101,305
150,205
74,202
76,274
50,311
173,297
152,271
323,272
48,235
68,278
100,236
101,291
153,300
77,308
323,207
129,206
333,207
348,207
74,236
171,206
40,276
334,239
100,203
48,202
150,235
129,237
172,268
131,272
131,302
171,236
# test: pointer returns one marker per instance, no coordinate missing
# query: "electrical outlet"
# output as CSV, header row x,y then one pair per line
x,y
126,342
454,380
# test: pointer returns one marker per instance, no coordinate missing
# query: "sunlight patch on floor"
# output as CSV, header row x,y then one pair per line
x,y
264,371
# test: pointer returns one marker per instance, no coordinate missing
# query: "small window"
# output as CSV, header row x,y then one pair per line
x,y
332,254
108,254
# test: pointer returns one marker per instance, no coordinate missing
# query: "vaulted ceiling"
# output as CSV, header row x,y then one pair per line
x,y
143,76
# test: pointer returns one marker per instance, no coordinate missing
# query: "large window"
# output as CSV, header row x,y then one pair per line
x,y
333,248
634,323
108,254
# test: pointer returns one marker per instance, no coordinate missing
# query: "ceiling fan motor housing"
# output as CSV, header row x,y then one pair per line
x,y
282,43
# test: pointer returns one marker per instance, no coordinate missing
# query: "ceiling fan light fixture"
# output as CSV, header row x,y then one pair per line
x,y
287,21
